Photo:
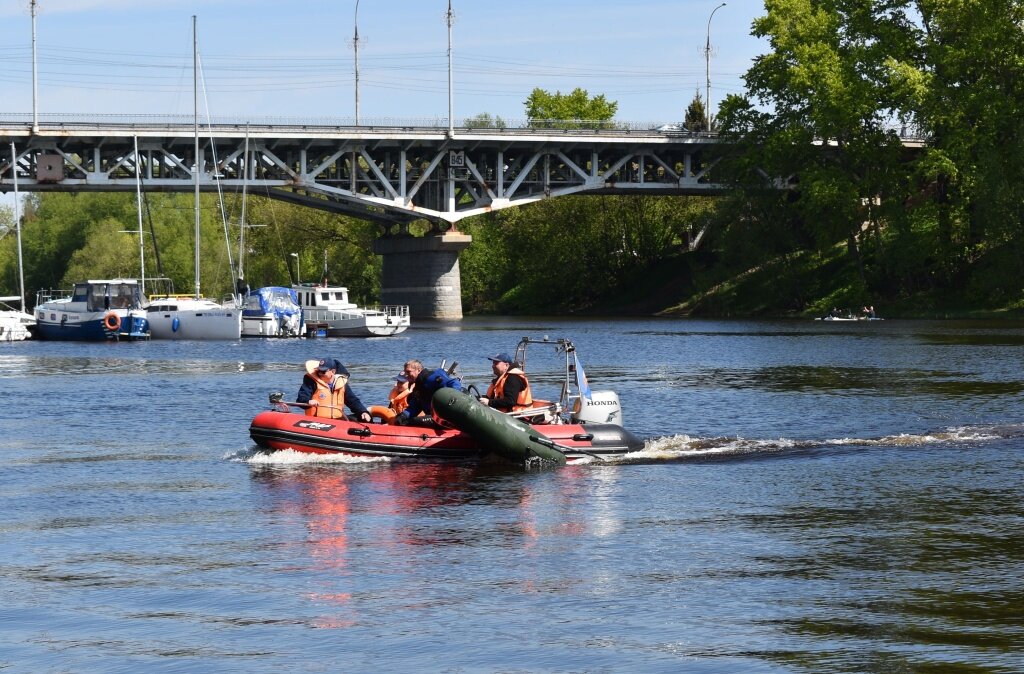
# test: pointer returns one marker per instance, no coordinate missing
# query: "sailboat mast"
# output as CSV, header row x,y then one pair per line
x,y
195,129
17,224
138,209
241,224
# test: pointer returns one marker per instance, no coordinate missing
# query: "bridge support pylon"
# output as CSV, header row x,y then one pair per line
x,y
423,272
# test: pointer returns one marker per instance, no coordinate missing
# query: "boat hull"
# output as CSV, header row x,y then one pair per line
x,y
207,321
345,324
73,326
273,430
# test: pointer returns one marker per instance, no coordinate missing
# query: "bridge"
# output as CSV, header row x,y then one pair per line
x,y
391,172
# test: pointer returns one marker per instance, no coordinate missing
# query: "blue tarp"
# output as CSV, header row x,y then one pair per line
x,y
279,301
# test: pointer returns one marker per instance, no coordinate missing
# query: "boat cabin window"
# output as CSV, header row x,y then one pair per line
x,y
81,293
97,300
124,296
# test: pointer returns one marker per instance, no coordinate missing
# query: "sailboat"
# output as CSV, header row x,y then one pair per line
x,y
272,311
15,324
180,317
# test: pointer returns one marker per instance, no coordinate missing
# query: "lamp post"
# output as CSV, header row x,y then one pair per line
x,y
355,47
707,62
298,276
450,19
35,82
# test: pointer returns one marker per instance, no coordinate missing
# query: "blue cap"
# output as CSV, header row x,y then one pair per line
x,y
325,364
501,358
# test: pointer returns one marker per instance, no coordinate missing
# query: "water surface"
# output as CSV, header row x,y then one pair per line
x,y
811,497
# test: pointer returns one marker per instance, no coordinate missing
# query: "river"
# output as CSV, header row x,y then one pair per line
x,y
812,497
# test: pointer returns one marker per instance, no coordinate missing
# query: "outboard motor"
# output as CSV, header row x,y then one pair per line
x,y
603,407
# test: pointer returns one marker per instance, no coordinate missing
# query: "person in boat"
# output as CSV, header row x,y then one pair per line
x,y
510,389
325,389
398,397
427,383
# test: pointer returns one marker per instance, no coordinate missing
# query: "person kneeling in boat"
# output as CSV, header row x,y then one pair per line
x,y
399,394
510,389
326,391
427,383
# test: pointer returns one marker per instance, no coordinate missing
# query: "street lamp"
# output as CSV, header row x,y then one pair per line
x,y
707,62
298,276
355,46
450,19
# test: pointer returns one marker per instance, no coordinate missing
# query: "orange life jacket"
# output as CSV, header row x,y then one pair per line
x,y
398,398
497,389
330,404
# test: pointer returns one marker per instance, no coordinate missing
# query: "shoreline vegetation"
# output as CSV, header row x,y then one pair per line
x,y
582,256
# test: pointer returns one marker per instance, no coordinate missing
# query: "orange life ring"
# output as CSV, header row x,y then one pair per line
x,y
112,322
385,414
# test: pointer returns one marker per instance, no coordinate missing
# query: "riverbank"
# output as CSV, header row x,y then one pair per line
x,y
803,285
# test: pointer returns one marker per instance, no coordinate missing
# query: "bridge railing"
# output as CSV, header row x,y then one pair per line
x,y
496,125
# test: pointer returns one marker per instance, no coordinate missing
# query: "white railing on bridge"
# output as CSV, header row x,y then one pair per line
x,y
496,125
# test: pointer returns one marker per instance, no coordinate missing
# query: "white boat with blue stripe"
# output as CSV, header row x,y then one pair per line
x,y
94,311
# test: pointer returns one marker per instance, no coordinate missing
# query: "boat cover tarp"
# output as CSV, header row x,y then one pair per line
x,y
282,302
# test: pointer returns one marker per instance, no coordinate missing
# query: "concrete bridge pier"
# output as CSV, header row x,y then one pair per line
x,y
423,272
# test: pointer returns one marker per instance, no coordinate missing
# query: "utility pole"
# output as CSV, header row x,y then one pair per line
x,y
355,47
707,62
450,18
35,74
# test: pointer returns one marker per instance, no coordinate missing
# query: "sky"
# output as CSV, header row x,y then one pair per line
x,y
293,60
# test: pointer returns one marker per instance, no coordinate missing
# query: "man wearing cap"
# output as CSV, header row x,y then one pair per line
x,y
325,389
510,390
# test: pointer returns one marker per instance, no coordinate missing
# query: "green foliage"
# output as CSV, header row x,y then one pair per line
x,y
576,109
485,121
68,238
570,253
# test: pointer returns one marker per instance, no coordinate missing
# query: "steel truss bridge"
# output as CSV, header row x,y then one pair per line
x,y
392,175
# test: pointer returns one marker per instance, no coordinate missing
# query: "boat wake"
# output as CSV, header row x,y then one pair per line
x,y
685,447
289,457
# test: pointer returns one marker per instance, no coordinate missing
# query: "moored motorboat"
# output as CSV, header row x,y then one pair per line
x,y
271,312
94,310
15,325
329,306
581,424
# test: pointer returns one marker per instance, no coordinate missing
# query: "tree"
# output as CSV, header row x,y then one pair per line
x,y
696,115
828,132
485,121
573,110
